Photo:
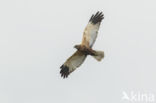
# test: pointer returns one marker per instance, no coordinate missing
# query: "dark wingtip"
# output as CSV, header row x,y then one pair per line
x,y
64,71
97,17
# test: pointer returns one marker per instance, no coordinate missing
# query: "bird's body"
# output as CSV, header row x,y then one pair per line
x,y
85,48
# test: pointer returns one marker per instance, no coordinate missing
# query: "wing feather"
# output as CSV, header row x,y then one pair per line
x,y
91,30
72,63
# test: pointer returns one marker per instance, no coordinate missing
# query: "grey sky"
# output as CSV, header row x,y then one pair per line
x,y
37,36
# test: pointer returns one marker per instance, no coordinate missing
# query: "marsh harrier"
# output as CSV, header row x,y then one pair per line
x,y
85,48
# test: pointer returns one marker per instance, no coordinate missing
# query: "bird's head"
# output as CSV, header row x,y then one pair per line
x,y
77,47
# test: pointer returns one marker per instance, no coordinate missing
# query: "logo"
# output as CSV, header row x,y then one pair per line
x,y
138,97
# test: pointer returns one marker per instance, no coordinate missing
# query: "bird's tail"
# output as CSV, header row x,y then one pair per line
x,y
99,55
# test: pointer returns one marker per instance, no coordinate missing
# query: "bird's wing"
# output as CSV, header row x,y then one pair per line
x,y
91,30
72,63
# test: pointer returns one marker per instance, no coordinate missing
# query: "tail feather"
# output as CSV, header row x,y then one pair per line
x,y
99,55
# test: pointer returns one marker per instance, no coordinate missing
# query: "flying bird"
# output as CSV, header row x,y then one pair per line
x,y
85,48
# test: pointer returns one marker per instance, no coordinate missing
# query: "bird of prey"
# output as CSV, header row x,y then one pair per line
x,y
85,48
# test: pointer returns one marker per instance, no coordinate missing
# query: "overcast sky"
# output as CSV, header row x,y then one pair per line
x,y
37,36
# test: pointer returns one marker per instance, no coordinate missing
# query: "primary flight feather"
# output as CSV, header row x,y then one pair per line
x,y
85,48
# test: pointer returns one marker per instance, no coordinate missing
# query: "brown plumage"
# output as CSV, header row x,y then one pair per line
x,y
85,48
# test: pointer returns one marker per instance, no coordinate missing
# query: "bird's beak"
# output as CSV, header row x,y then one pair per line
x,y
76,46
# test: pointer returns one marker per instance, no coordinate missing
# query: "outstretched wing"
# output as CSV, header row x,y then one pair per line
x,y
72,63
91,30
